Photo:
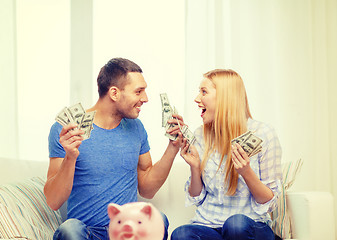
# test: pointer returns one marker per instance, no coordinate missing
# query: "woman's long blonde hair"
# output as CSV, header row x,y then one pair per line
x,y
232,112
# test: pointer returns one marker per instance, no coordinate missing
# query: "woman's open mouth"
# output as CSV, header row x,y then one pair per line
x,y
203,110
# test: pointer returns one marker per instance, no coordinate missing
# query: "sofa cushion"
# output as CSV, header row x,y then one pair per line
x,y
280,216
24,211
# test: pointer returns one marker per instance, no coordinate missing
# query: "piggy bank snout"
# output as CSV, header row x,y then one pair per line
x,y
127,228
138,220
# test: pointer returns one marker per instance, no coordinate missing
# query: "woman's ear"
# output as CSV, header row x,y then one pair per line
x,y
114,93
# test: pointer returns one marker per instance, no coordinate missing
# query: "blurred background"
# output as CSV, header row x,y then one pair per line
x,y
285,51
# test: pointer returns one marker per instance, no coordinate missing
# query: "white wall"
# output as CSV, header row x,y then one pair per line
x,y
331,19
34,74
8,93
42,31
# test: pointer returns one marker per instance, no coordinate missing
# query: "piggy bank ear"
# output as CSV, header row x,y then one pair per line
x,y
147,210
113,210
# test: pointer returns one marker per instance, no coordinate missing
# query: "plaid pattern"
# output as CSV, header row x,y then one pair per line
x,y
24,212
214,206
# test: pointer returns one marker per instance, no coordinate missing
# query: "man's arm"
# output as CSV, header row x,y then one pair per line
x,y
61,171
59,181
152,177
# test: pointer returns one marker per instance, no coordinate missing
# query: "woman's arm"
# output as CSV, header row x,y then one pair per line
x,y
191,156
241,161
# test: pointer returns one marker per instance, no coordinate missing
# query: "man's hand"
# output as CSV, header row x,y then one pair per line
x,y
179,123
71,139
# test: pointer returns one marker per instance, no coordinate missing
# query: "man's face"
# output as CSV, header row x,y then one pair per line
x,y
132,96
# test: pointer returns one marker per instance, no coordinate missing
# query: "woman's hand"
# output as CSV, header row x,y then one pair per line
x,y
190,154
240,159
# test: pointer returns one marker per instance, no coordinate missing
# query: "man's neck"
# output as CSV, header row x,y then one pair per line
x,y
105,116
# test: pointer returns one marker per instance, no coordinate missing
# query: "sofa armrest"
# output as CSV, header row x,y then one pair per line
x,y
312,215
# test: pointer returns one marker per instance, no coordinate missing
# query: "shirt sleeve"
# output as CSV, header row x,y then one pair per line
x,y
197,200
270,170
55,147
145,147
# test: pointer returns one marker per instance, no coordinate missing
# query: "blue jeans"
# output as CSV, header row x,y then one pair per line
x,y
236,227
74,229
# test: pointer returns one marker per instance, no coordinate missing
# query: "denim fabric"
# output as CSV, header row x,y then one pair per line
x,y
74,229
236,227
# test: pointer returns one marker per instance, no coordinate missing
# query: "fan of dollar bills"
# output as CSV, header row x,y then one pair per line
x,y
250,143
167,112
76,114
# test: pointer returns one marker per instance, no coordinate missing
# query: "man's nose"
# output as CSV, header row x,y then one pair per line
x,y
144,98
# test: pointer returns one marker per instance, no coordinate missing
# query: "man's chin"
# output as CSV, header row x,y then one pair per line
x,y
132,116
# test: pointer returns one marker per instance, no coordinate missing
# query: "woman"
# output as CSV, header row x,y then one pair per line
x,y
233,193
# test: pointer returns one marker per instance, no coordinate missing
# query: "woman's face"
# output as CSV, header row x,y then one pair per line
x,y
206,100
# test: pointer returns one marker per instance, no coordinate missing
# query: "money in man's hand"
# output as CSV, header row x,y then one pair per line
x,y
167,112
250,143
76,114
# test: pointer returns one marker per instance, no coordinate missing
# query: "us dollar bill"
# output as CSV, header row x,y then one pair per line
x,y
188,134
87,124
167,112
64,117
166,109
240,139
249,142
256,151
171,125
77,112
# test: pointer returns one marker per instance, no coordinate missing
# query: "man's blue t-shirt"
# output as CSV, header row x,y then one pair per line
x,y
106,169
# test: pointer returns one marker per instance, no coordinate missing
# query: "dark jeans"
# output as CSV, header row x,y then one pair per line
x,y
74,229
237,227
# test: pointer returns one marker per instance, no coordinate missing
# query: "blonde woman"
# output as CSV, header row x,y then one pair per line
x,y
233,193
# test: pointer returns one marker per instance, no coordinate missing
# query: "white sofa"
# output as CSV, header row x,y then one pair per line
x,y
311,212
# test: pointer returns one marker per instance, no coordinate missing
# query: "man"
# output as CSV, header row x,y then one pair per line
x,y
112,163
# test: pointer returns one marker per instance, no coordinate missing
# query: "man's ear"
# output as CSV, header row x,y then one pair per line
x,y
114,93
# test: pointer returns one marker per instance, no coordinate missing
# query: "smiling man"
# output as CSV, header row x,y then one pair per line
x,y
113,163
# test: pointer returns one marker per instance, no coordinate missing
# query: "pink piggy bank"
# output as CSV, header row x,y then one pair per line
x,y
135,221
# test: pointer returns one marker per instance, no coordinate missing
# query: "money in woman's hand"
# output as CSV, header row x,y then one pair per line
x,y
250,143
